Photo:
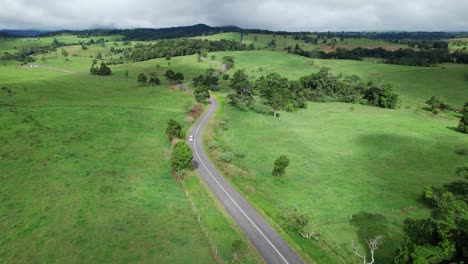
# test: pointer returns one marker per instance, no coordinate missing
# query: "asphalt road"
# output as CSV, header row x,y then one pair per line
x,y
268,243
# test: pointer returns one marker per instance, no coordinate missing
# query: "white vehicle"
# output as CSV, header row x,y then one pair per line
x,y
190,138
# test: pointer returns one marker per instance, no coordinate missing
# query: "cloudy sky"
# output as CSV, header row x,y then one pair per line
x,y
309,15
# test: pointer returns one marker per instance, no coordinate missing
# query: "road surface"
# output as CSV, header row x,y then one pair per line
x,y
268,243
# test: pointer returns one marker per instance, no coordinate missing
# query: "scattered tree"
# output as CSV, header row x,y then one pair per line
x,y
300,224
463,126
437,104
373,246
280,165
154,81
228,61
173,130
102,70
11,96
142,78
201,93
181,156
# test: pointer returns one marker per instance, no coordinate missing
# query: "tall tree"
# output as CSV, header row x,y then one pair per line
x,y
11,96
181,156
154,81
174,129
463,126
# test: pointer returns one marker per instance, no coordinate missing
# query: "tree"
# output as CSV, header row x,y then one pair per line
x,y
463,126
300,224
462,171
280,165
201,93
228,61
170,74
442,238
102,70
142,78
242,86
181,156
178,77
154,81
372,244
275,90
437,104
173,130
64,52
11,96
168,57
381,95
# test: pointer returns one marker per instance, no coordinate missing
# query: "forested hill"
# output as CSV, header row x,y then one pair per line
x,y
152,33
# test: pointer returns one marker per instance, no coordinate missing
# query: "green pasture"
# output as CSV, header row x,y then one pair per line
x,y
356,171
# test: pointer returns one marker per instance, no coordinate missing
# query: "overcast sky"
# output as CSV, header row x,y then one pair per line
x,y
293,15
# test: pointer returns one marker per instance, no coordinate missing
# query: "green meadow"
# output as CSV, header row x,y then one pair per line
x,y
358,173
85,172
415,85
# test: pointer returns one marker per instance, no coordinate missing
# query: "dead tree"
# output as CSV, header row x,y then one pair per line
x,y
10,94
372,244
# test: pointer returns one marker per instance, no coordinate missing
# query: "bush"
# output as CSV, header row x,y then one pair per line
x,y
226,156
260,108
213,145
226,77
223,124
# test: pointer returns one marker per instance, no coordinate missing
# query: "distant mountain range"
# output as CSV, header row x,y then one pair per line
x,y
202,29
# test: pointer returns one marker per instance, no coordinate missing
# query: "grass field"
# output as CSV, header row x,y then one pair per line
x,y
415,85
85,176
260,41
13,44
357,173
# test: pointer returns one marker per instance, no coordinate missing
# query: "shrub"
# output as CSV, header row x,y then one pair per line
x,y
226,156
213,145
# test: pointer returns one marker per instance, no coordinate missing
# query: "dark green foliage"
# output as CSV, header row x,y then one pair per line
x,y
181,156
201,93
174,77
102,70
462,171
208,79
182,47
437,104
242,87
381,95
228,61
280,165
443,238
463,126
275,90
142,78
154,80
173,130
226,77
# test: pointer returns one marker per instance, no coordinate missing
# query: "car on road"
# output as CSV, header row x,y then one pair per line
x,y
190,138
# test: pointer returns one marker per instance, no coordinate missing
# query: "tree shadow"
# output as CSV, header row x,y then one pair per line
x,y
454,129
370,226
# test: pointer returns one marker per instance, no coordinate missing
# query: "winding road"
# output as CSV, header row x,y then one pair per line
x,y
268,243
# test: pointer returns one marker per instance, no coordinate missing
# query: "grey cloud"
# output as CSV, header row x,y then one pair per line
x,y
310,15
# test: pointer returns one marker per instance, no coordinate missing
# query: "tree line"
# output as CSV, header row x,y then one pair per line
x,y
278,93
183,47
407,56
